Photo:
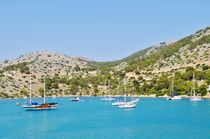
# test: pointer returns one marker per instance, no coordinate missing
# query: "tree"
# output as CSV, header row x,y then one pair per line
x,y
73,89
202,90
189,69
24,92
77,68
205,67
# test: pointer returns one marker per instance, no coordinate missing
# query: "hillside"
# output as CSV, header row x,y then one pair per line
x,y
149,70
15,72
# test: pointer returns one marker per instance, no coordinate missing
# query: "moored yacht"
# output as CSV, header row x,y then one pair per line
x,y
118,102
133,99
33,106
173,96
125,104
107,97
194,97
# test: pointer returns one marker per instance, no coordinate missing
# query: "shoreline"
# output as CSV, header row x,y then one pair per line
x,y
141,96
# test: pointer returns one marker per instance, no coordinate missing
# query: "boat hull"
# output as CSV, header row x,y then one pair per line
x,y
118,103
196,99
108,99
47,106
135,100
174,98
75,99
127,105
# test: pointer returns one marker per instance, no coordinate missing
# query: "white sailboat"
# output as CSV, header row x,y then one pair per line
x,y
107,97
194,97
118,102
134,100
173,96
125,104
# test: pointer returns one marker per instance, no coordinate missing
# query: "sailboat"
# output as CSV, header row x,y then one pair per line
x,y
118,102
107,97
125,104
173,96
33,106
194,97
134,100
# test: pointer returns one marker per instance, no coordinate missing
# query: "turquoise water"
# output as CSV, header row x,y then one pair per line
x,y
93,119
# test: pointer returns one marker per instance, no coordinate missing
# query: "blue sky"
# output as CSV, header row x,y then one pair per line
x,y
101,30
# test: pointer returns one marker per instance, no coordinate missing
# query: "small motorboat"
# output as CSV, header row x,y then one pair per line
x,y
75,99
137,100
108,99
174,98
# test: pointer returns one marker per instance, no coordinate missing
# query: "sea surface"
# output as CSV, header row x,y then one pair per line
x,y
154,118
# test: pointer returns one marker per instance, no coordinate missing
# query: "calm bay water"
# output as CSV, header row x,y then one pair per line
x,y
94,119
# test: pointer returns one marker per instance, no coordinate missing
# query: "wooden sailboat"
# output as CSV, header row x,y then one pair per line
x,y
33,106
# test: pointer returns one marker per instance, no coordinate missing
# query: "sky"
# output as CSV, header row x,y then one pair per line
x,y
101,30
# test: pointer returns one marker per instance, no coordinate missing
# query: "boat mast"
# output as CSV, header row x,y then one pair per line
x,y
44,90
109,93
30,102
118,89
133,91
172,85
124,89
105,89
193,84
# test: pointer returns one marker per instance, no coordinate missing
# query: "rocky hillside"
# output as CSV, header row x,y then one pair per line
x,y
15,72
149,70
189,51
149,66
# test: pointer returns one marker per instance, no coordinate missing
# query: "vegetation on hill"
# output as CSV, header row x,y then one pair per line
x,y
69,76
22,67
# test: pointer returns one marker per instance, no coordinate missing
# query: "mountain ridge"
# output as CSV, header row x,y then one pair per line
x,y
72,75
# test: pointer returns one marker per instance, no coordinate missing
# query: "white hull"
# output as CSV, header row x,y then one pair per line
x,y
135,100
75,99
108,99
196,99
118,103
127,105
175,98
